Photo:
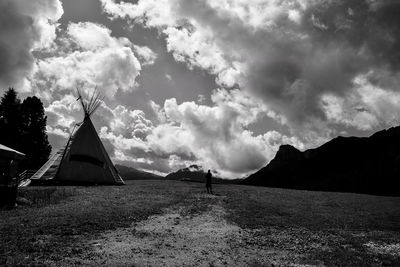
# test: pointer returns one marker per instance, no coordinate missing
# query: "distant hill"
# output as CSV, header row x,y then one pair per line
x,y
128,173
196,173
349,164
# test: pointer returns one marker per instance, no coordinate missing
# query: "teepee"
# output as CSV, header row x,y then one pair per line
x,y
83,160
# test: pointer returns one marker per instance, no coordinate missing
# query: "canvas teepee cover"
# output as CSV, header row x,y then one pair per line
x,y
84,158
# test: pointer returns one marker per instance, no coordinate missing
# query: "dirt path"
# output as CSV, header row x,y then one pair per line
x,y
179,238
196,233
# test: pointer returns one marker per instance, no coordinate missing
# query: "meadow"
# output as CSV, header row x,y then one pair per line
x,y
153,223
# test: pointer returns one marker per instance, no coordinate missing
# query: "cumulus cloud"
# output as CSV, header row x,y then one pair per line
x,y
290,53
90,56
187,41
63,113
146,55
216,136
25,26
365,108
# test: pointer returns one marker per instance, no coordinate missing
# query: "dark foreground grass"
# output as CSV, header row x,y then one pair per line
x,y
313,210
321,227
337,229
60,217
44,196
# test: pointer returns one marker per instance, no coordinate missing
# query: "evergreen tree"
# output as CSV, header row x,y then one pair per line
x,y
23,127
10,120
34,138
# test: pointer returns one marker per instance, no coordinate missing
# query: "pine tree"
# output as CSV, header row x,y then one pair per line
x,y
34,138
23,127
10,120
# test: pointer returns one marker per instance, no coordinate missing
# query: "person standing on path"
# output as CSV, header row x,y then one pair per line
x,y
208,182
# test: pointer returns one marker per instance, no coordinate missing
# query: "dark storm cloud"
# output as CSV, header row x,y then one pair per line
x,y
373,29
24,26
291,60
338,40
16,40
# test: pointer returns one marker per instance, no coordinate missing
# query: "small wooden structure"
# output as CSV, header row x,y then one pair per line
x,y
9,159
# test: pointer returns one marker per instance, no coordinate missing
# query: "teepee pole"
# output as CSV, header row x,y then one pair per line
x,y
92,98
94,103
82,102
97,104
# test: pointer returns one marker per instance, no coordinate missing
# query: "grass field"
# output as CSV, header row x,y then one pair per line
x,y
175,223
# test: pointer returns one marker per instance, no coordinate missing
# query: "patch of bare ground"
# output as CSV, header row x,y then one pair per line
x,y
179,238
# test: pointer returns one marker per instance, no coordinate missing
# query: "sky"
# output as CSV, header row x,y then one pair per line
x,y
221,84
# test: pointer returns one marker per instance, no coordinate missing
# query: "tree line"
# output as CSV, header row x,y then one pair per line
x,y
23,128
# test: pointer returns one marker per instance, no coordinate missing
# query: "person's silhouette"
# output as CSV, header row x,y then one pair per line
x,y
208,182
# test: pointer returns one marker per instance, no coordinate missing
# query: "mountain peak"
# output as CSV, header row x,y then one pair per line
x,y
349,164
288,152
